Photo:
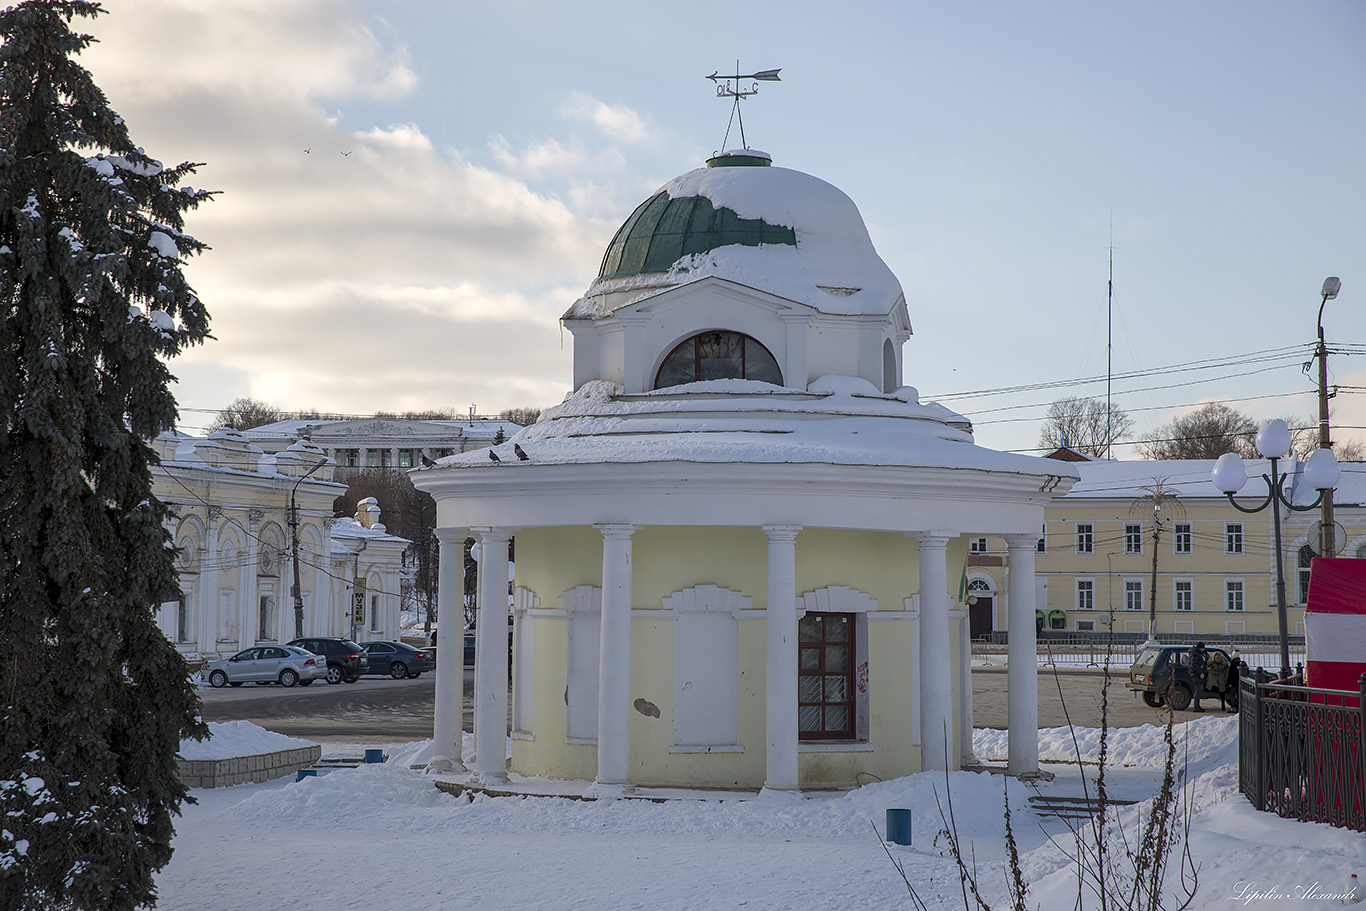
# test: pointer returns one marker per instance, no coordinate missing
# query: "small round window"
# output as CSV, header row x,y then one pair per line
x,y
718,356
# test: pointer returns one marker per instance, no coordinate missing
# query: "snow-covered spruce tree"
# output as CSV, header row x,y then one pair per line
x,y
93,699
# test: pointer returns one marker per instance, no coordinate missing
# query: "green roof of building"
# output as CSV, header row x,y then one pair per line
x,y
664,230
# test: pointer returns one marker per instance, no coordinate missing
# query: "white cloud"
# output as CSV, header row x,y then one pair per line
x,y
615,120
350,270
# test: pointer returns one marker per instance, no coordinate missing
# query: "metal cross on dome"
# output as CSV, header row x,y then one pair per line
x,y
730,87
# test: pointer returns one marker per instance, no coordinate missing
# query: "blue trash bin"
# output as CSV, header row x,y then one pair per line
x,y
899,826
374,755
305,773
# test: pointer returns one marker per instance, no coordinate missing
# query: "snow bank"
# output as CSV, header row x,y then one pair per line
x,y
229,739
1201,743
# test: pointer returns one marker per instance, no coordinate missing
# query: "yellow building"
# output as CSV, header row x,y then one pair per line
x,y
1215,570
734,536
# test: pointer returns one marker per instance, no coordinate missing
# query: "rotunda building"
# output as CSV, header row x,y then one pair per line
x,y
739,540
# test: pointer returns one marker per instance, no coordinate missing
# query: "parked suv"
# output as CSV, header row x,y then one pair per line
x,y
345,659
1162,675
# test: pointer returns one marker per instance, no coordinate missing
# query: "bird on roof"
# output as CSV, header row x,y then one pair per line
x,y
428,463
521,455
493,456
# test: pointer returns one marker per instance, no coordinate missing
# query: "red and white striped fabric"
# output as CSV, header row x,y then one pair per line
x,y
1335,624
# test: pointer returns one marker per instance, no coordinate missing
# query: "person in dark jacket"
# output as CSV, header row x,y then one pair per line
x,y
1199,672
1235,672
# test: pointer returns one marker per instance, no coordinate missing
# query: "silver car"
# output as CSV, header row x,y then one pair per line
x,y
283,664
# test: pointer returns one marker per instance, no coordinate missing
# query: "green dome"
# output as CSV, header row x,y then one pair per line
x,y
664,230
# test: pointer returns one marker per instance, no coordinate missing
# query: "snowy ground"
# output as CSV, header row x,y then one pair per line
x,y
381,836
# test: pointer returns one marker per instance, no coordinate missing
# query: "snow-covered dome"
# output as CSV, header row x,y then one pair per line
x,y
778,230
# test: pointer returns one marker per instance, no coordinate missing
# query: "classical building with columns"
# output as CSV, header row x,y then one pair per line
x,y
230,521
739,540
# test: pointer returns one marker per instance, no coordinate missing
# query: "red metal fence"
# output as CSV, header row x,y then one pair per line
x,y
1302,750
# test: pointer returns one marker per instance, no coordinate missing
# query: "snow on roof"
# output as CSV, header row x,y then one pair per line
x,y
1193,478
351,530
743,421
291,428
833,268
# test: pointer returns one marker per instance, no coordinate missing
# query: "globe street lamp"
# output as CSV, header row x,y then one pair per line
x,y
1320,471
294,530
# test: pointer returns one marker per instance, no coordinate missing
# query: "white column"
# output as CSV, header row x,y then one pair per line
x,y
491,657
207,616
938,750
1022,681
450,650
964,684
780,674
251,578
614,662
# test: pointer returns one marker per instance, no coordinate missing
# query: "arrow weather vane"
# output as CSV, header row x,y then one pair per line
x,y
730,87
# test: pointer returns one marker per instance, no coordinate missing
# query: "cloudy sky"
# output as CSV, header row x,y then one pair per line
x,y
412,192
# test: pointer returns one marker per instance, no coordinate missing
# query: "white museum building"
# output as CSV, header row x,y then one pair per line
x,y
230,521
739,540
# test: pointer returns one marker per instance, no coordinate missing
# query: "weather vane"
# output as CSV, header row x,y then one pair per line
x,y
731,87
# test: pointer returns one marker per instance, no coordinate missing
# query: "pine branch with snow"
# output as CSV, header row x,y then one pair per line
x,y
94,700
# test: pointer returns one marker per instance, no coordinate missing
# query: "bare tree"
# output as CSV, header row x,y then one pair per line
x,y
409,513
1205,433
244,414
1349,450
523,415
1085,425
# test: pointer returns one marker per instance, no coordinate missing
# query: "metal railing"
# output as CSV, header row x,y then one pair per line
x,y
1081,649
1302,750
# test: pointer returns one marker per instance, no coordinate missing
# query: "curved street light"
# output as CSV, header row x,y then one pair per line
x,y
1331,286
294,534
1320,471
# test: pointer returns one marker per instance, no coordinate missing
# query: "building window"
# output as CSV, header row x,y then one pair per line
x,y
1086,594
1133,538
1302,571
182,621
1133,594
977,545
825,681
1183,595
1233,537
1181,538
1042,546
350,458
1233,594
1085,538
266,621
374,613
405,458
718,356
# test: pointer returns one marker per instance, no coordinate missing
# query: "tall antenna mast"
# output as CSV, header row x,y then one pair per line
x,y
1109,341
725,89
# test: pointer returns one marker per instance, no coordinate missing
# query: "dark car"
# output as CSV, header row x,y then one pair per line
x,y
1161,674
345,659
397,659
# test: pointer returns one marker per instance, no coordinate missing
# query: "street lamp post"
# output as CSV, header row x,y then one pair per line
x,y
1320,470
294,534
1331,286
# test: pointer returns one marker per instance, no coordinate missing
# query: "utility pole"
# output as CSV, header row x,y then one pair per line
x,y
1327,534
1157,495
294,546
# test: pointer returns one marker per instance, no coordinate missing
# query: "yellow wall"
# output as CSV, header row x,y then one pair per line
x,y
884,566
